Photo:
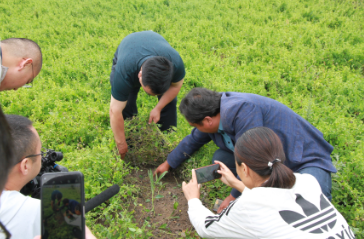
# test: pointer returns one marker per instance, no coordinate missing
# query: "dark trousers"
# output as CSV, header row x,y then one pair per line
x,y
226,158
168,114
323,177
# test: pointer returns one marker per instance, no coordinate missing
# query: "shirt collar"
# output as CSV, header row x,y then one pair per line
x,y
221,129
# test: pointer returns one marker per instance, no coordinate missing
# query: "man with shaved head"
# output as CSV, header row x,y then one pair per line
x,y
21,62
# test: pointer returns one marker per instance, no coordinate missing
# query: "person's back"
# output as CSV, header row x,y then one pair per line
x,y
300,212
20,214
304,144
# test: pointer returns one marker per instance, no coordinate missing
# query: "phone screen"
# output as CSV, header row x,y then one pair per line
x,y
207,173
62,197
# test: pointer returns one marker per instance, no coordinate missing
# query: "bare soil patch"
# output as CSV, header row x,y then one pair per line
x,y
170,218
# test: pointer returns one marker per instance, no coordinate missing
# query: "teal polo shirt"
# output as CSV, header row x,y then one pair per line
x,y
227,140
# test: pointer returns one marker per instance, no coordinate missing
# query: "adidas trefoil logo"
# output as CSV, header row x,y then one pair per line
x,y
314,221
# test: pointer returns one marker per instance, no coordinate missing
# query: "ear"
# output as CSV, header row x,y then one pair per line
x,y
208,120
25,166
246,169
140,74
25,62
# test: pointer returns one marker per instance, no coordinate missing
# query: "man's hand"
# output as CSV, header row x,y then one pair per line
x,y
165,99
192,189
162,168
123,149
225,203
155,115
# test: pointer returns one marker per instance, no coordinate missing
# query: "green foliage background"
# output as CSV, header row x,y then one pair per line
x,y
307,54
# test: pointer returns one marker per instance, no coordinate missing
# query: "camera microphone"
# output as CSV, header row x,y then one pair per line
x,y
101,198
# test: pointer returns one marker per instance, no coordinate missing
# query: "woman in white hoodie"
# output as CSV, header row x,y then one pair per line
x,y
275,202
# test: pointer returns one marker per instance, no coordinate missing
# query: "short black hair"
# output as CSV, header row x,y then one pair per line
x,y
157,73
24,138
78,207
65,201
199,103
7,151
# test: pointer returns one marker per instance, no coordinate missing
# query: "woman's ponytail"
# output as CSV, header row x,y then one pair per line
x,y
281,177
262,151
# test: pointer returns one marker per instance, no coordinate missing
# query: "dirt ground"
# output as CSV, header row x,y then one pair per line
x,y
170,218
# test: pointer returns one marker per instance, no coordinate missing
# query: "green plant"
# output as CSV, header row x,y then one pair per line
x,y
156,185
152,186
158,181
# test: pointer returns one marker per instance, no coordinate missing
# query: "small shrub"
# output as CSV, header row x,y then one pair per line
x,y
147,144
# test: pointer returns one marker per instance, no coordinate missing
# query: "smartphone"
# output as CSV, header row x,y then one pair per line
x,y
62,205
207,173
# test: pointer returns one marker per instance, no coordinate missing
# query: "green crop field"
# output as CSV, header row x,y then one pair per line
x,y
307,54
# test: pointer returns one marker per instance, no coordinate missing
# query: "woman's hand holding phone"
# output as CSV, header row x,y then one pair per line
x,y
192,189
228,178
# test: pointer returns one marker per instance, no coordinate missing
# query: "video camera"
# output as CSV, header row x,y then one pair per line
x,y
48,166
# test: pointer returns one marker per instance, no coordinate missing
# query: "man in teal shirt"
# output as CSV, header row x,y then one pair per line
x,y
144,59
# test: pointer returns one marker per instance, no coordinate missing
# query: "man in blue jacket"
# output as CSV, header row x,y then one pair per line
x,y
224,117
73,206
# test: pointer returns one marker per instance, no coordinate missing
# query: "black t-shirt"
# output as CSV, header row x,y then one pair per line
x,y
132,52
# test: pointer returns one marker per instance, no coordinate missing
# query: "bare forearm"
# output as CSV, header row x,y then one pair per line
x,y
167,97
117,126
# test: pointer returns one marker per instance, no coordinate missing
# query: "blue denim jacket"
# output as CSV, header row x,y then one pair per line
x,y
303,144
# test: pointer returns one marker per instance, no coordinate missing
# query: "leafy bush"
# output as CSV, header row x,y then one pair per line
x,y
147,144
